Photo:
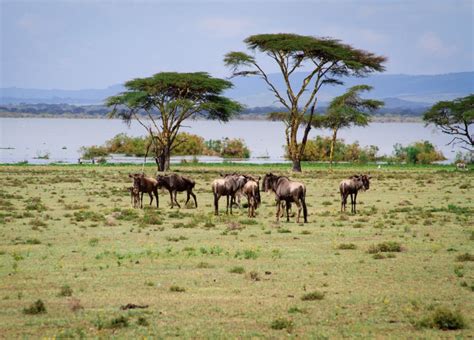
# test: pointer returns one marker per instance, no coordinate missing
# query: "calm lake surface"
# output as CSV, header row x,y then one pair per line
x,y
25,139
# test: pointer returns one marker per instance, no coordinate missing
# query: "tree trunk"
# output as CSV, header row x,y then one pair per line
x,y
333,143
296,165
163,159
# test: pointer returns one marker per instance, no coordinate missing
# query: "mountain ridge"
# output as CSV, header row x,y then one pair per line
x,y
253,92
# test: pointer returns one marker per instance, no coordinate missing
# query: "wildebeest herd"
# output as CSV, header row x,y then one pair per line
x,y
234,186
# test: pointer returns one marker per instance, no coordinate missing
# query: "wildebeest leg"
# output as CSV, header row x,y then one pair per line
x,y
278,209
171,197
216,204
227,205
283,205
187,197
141,199
287,203
249,200
343,207
155,191
151,197
194,197
355,202
176,198
298,204
352,203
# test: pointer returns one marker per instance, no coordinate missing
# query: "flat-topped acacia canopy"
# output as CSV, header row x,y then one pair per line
x,y
301,47
169,98
188,93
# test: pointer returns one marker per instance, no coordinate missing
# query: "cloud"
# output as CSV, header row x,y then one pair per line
x,y
225,27
429,42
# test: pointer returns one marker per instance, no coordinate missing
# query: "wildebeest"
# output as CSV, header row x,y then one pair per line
x,y
351,186
134,196
227,186
175,183
145,184
251,190
288,191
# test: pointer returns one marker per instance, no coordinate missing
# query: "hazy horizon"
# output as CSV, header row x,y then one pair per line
x,y
96,44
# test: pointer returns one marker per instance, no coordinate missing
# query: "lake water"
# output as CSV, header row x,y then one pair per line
x,y
25,139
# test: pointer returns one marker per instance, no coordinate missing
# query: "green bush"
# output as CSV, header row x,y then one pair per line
x,y
384,247
65,291
319,149
281,324
465,257
345,246
185,144
94,151
422,152
177,289
237,270
443,318
313,296
36,308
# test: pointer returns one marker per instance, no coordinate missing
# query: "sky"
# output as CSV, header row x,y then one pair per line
x,y
80,44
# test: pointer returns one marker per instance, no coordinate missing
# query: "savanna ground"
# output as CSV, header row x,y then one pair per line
x,y
69,238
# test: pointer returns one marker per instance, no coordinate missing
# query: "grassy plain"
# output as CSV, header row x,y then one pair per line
x,y
69,238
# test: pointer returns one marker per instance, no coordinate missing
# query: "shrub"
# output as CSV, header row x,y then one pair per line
x,y
383,247
152,218
65,291
318,149
282,323
422,152
37,307
465,257
177,289
345,246
204,265
313,296
84,215
237,270
443,318
34,203
33,241
186,144
142,321
118,322
247,254
129,215
294,309
228,148
94,151
254,276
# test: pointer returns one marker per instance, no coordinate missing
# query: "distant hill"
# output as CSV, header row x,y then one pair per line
x,y
408,92
418,89
14,95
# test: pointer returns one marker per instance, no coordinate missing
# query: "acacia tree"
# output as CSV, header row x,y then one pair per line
x,y
324,60
454,118
162,102
346,110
